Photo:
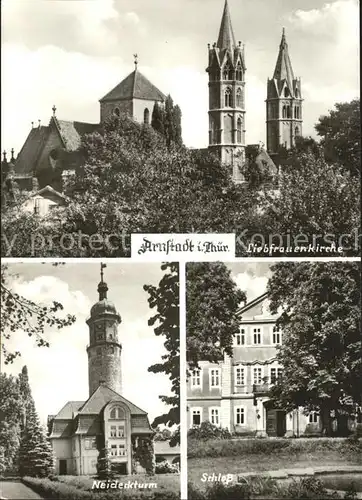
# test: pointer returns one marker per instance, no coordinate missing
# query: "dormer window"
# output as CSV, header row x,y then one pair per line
x,y
117,413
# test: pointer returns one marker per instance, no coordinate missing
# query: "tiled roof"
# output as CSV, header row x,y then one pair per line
x,y
226,39
103,395
62,428
140,423
29,153
135,85
68,409
72,132
164,448
89,425
252,303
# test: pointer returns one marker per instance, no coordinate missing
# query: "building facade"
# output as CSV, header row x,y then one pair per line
x,y
284,118
234,394
226,70
106,419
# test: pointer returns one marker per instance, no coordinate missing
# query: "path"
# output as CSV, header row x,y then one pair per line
x,y
16,490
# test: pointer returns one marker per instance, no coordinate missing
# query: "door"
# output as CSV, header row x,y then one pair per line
x,y
62,467
281,423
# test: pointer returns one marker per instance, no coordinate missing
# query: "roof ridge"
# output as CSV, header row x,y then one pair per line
x,y
252,302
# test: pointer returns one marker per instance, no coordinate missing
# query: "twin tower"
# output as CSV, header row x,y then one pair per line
x,y
226,71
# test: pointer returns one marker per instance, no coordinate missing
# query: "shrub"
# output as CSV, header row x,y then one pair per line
x,y
104,465
305,488
166,468
208,431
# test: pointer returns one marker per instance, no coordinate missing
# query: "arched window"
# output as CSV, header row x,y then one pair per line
x,y
296,93
284,111
228,129
239,130
146,116
288,112
297,131
116,111
238,98
239,72
227,72
117,413
228,99
286,92
213,138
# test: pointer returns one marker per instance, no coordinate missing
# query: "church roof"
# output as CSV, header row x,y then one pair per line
x,y
135,85
226,39
71,132
283,68
103,395
30,151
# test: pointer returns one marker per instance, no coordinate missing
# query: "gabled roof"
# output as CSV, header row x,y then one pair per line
x,y
283,68
103,395
226,39
30,151
252,303
137,86
68,409
71,132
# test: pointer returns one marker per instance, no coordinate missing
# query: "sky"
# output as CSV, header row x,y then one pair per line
x,y
60,373
71,53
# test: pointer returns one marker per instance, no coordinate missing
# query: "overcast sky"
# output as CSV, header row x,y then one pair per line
x,y
71,53
60,373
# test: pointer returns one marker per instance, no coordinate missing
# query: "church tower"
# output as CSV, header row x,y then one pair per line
x,y
104,349
226,71
283,103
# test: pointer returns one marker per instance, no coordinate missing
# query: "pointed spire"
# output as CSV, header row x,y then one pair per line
x,y
54,109
102,286
283,68
226,38
135,61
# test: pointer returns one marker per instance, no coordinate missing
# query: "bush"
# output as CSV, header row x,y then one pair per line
x,y
208,431
166,468
305,488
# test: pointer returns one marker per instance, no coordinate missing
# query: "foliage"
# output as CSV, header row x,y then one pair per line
x,y
19,313
162,434
166,468
256,171
104,465
35,452
213,300
340,131
206,430
11,414
144,454
321,346
165,298
167,121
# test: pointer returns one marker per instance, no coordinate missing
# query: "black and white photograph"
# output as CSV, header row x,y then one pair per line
x,y
202,116
89,381
274,404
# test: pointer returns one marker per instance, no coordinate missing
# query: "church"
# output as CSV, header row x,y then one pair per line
x,y
51,153
106,419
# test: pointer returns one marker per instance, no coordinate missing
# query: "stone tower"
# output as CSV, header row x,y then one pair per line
x,y
283,103
104,349
226,71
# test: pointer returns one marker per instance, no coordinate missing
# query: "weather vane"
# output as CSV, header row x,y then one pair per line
x,y
135,59
102,267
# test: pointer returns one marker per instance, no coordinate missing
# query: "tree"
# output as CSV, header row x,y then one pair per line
x,y
157,121
11,415
104,465
35,454
213,300
165,298
321,350
340,131
19,313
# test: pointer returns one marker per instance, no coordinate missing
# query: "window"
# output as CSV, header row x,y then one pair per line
x,y
195,416
215,377
227,72
239,130
297,131
90,444
120,431
146,116
228,100
288,112
275,373
240,337
214,416
239,415
296,93
257,376
239,375
196,378
286,92
113,432
116,111
113,450
277,336
239,72
121,450
238,98
284,111
313,417
117,413
257,336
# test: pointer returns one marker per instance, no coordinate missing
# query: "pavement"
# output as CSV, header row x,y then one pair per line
x,y
16,490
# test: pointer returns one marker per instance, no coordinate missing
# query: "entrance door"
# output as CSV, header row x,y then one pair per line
x,y
62,467
275,422
281,423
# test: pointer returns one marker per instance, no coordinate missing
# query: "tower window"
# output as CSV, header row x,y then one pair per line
x,y
288,112
296,93
227,72
239,72
213,137
284,111
146,116
239,131
116,112
238,98
228,99
286,92
297,131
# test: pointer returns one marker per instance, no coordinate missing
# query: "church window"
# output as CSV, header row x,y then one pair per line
x,y
116,112
228,99
286,92
227,72
146,116
238,98
284,111
239,130
113,432
239,72
213,138
297,132
288,112
296,93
